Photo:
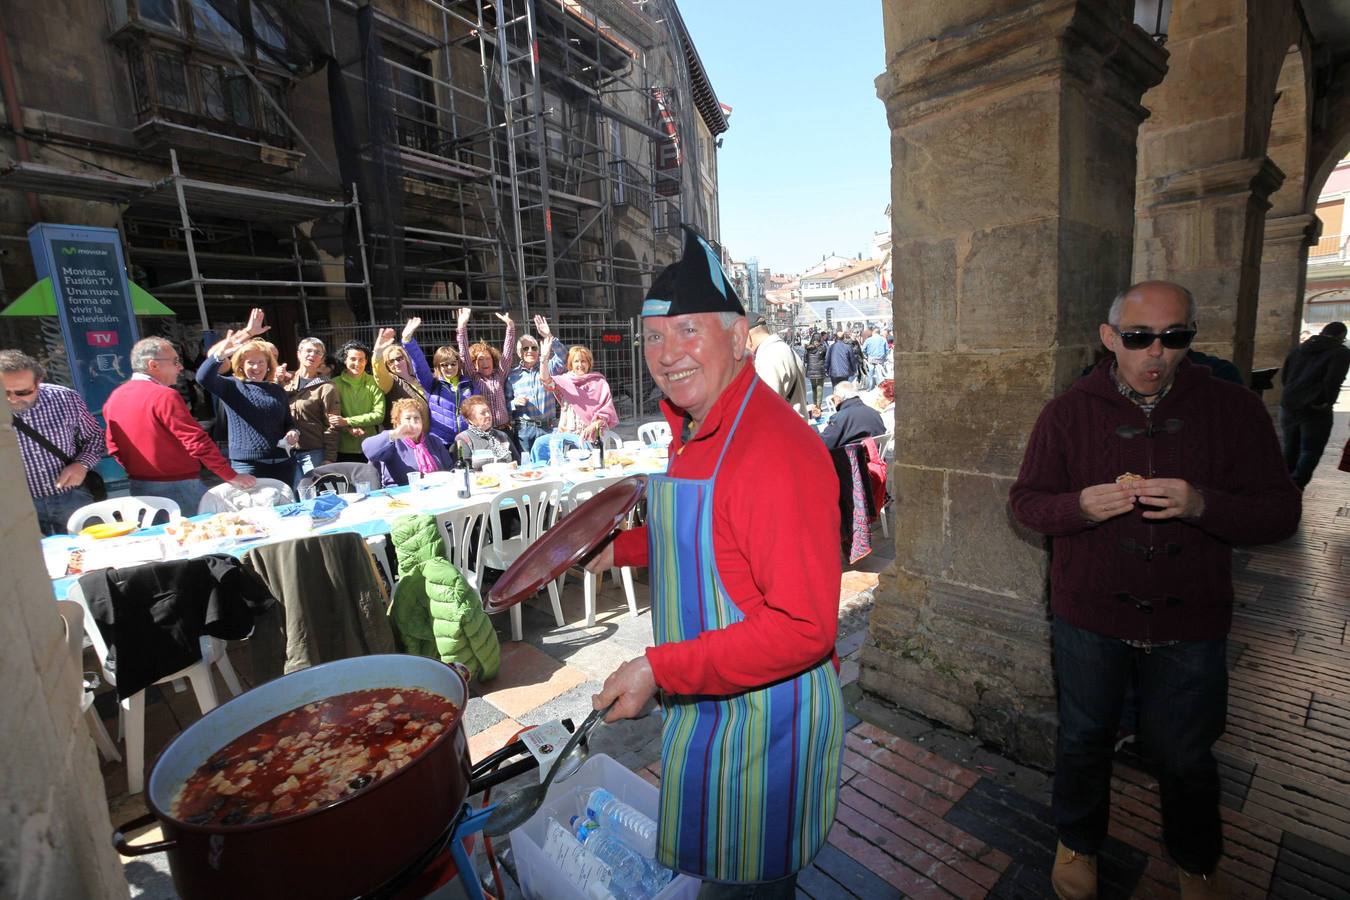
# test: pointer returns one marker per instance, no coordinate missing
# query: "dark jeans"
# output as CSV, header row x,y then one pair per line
x,y
818,390
1183,698
782,889
1306,432
53,512
526,434
282,470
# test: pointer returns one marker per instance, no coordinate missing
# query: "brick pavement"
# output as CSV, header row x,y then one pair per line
x,y
927,812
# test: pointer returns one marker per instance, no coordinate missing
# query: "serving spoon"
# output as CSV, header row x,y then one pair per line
x,y
517,808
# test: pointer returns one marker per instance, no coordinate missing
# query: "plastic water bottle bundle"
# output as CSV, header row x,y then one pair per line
x,y
631,876
635,829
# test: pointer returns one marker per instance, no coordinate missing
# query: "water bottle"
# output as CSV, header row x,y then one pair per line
x,y
630,876
464,490
636,830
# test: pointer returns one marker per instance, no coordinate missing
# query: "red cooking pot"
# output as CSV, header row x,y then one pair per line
x,y
342,850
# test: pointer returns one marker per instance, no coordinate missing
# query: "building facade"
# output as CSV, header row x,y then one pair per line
x,y
338,163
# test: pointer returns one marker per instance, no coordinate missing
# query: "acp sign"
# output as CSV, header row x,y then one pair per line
x,y
93,300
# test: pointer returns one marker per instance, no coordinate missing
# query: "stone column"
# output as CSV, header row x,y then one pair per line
x,y
1013,132
1284,272
1202,228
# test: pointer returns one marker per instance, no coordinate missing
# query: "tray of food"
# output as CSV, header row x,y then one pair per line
x,y
223,527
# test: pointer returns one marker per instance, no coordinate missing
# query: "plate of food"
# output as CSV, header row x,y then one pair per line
x,y
104,530
485,480
527,475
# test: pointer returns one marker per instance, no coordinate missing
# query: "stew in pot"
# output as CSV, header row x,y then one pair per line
x,y
312,756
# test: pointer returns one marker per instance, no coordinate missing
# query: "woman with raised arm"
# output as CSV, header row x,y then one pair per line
x,y
394,374
586,407
262,431
488,369
443,381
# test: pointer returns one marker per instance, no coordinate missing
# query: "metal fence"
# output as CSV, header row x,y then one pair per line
x,y
617,353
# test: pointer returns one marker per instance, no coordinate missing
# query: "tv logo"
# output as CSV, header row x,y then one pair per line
x,y
101,338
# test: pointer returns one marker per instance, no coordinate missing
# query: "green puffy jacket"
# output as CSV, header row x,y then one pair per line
x,y
436,612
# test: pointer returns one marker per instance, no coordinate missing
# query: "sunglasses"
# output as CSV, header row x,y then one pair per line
x,y
28,393
1142,340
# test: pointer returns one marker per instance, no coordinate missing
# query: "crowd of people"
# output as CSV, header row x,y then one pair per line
x,y
1142,476
384,404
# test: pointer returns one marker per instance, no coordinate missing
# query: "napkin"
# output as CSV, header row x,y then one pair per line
x,y
324,506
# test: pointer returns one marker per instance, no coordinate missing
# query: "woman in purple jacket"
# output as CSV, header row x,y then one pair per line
x,y
444,382
408,447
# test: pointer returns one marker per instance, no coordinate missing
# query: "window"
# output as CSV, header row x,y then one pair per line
x,y
210,27
161,12
171,81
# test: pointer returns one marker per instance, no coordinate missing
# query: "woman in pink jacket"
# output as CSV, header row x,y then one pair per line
x,y
585,405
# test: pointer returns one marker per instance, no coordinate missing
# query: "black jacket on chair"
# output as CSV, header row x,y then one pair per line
x,y
153,616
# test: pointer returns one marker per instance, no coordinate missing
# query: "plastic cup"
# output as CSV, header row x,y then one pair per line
x,y
363,487
414,480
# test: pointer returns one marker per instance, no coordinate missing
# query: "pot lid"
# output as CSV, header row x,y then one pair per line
x,y
567,543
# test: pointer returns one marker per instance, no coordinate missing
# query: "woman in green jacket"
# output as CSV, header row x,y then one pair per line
x,y
361,399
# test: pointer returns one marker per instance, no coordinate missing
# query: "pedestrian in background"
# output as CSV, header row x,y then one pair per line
x,y
58,438
815,367
1313,373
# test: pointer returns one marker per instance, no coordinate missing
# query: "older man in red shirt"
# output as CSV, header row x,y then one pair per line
x,y
745,602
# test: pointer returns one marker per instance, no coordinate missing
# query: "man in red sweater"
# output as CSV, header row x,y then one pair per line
x,y
745,602
1144,474
152,434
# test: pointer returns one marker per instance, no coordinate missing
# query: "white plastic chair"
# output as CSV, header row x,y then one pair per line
x,y
572,498
140,510
462,529
654,434
533,503
612,441
133,707
72,614
228,498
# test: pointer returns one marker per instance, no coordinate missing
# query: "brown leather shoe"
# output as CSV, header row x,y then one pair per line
x,y
1075,874
1200,887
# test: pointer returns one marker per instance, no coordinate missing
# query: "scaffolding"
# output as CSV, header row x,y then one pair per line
x,y
525,138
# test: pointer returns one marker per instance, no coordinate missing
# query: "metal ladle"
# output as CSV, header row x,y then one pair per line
x,y
517,808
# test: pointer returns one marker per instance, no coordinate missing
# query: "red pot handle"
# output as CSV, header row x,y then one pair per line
x,y
119,838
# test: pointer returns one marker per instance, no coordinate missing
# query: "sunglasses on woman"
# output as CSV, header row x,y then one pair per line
x,y
1142,340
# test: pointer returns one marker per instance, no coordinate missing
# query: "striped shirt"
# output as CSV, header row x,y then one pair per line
x,y
59,415
541,407
493,387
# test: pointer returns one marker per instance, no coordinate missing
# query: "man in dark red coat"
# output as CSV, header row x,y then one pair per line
x,y
1144,474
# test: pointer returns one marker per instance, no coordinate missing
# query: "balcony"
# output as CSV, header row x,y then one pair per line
x,y
1329,250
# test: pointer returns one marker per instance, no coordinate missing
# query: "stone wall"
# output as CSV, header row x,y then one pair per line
x,y
54,837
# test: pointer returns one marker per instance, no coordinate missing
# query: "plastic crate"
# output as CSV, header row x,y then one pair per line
x,y
539,878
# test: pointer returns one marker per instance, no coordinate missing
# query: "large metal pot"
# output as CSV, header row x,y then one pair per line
x,y
342,850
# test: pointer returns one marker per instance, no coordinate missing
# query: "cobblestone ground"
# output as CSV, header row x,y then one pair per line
x,y
928,812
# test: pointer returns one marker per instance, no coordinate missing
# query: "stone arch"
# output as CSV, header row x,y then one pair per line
x,y
1290,224
1204,176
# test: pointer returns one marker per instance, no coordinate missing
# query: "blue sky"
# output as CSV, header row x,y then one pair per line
x,y
805,168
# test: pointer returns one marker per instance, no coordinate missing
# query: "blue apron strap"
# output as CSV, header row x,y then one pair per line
x,y
734,423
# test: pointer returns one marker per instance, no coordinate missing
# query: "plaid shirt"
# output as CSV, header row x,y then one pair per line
x,y
541,407
61,417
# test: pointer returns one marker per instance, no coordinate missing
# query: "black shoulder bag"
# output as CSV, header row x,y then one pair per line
x,y
93,482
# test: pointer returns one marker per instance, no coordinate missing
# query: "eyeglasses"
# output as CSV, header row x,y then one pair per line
x,y
168,359
28,393
1178,339
529,348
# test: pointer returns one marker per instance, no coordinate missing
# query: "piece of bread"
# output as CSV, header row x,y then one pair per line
x,y
1128,477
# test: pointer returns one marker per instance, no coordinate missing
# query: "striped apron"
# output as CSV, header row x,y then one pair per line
x,y
749,781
